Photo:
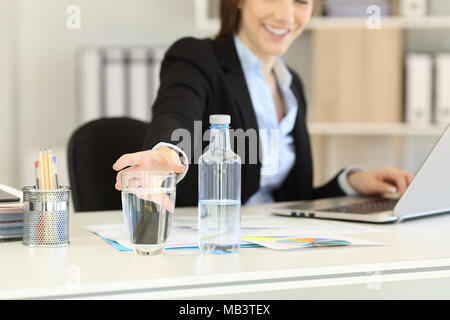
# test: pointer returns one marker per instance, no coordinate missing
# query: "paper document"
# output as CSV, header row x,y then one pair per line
x,y
287,226
305,242
180,237
186,238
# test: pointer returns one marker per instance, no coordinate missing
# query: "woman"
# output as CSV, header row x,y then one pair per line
x,y
240,73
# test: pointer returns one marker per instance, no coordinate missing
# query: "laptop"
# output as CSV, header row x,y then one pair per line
x,y
427,194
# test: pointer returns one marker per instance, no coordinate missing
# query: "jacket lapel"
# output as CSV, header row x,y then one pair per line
x,y
235,81
302,174
234,76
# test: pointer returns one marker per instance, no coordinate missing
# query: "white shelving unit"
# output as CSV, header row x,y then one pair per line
x,y
428,22
374,129
375,145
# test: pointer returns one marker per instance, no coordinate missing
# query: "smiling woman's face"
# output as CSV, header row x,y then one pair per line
x,y
268,27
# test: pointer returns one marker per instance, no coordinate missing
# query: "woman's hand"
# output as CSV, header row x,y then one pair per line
x,y
161,159
386,180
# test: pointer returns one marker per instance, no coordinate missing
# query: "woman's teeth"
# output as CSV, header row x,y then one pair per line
x,y
276,31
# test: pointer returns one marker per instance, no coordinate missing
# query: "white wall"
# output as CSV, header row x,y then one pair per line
x,y
7,90
45,53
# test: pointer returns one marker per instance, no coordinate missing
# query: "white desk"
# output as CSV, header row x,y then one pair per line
x,y
415,263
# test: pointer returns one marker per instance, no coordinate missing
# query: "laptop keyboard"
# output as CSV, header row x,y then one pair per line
x,y
370,206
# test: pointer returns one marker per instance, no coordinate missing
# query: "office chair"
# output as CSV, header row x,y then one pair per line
x,y
93,149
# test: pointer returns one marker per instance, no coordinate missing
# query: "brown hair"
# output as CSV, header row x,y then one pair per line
x,y
230,16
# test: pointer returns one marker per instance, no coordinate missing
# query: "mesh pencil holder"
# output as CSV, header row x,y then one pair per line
x,y
46,217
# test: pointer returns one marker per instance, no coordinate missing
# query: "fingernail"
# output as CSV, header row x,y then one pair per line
x,y
392,190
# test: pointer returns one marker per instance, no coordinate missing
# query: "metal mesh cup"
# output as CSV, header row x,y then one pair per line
x,y
46,217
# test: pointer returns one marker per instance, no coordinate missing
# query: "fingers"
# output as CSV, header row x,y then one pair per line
x,y
383,181
384,187
118,185
162,199
401,179
173,161
409,176
127,160
162,159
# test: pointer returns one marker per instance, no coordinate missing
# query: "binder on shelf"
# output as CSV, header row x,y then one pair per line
x,y
396,7
89,84
318,8
115,99
355,8
117,82
139,84
419,77
442,89
414,8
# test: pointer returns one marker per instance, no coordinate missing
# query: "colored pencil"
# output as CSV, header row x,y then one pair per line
x,y
50,170
41,170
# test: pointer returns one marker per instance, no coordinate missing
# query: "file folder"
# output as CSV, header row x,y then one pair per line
x,y
139,84
442,89
419,69
414,8
114,83
118,82
89,84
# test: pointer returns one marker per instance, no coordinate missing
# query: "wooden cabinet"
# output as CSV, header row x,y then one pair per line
x,y
357,75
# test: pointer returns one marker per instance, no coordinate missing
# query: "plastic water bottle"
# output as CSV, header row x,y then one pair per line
x,y
219,208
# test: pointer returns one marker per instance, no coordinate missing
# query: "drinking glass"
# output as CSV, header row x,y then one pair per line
x,y
148,204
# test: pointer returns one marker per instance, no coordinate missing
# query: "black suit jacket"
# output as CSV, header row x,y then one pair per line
x,y
204,77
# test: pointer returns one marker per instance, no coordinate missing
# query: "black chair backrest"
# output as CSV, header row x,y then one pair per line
x,y
93,149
